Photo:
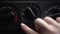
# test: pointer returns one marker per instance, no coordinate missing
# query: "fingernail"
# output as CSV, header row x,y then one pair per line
x,y
47,17
37,19
22,25
58,17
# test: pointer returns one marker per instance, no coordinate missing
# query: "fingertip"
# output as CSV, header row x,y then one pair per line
x,y
47,17
37,19
22,24
58,18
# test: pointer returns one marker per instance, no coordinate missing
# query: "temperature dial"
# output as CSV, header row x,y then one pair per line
x,y
30,12
7,15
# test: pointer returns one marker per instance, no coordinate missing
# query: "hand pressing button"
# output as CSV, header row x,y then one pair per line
x,y
44,26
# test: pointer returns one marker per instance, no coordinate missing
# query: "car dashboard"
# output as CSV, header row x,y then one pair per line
x,y
15,12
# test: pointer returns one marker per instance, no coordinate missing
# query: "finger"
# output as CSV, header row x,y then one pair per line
x,y
46,26
58,19
43,24
27,29
39,29
51,21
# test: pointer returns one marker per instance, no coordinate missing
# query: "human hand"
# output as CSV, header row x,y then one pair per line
x,y
44,26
